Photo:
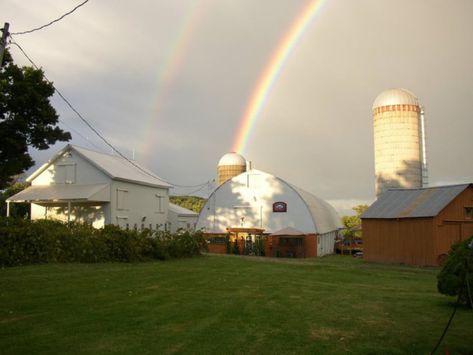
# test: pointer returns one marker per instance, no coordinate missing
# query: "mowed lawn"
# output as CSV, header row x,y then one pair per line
x,y
227,304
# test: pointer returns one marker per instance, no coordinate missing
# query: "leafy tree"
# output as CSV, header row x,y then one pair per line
x,y
192,203
16,209
352,223
456,276
27,118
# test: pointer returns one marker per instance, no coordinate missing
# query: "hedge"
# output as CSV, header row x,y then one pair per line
x,y
43,241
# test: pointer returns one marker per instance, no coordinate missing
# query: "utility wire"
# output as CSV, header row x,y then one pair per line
x,y
95,131
195,191
52,22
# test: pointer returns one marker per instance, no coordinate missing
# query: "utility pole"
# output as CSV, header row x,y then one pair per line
x,y
3,42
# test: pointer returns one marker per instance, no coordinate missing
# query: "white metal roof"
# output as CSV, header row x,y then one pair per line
x,y
63,192
115,167
252,195
232,159
181,210
326,219
288,231
395,97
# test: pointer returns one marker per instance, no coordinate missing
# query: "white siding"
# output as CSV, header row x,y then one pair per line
x,y
73,168
138,205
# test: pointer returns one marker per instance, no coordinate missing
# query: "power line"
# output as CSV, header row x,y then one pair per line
x,y
52,22
98,133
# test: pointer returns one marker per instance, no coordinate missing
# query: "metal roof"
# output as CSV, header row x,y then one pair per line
x,y
412,203
289,231
395,97
325,218
181,210
63,192
232,159
115,167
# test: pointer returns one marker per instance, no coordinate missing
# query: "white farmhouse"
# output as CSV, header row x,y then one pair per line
x,y
81,185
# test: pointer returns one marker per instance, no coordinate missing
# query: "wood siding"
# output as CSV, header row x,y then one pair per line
x,y
400,241
418,241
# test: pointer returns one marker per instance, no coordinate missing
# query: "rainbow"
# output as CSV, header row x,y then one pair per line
x,y
175,56
271,72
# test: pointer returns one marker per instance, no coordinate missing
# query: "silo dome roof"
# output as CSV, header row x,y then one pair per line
x,y
232,159
395,97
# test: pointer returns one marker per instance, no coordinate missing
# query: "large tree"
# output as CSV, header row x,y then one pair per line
x,y
27,118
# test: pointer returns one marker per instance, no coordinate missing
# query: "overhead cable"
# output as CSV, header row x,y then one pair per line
x,y
97,132
52,22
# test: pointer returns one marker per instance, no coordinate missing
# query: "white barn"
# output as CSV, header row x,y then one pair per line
x,y
81,185
181,218
258,201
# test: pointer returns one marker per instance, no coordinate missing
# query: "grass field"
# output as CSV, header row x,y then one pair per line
x,y
227,304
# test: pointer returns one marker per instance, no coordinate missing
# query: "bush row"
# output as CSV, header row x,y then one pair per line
x,y
30,242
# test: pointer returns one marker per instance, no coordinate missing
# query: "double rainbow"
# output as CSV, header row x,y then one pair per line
x,y
271,72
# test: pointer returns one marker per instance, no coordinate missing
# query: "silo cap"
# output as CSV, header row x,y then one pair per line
x,y
232,159
395,97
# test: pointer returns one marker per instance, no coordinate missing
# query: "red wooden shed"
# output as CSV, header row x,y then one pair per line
x,y
417,226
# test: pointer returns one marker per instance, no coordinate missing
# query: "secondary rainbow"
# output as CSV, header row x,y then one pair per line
x,y
271,72
173,61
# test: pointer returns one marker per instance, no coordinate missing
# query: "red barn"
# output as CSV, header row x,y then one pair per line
x,y
417,226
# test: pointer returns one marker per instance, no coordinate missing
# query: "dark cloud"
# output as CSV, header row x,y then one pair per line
x,y
110,60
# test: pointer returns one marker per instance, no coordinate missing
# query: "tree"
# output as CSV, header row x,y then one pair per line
x,y
27,118
192,203
456,276
352,223
16,209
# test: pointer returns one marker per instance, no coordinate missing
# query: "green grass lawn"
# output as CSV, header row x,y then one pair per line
x,y
227,304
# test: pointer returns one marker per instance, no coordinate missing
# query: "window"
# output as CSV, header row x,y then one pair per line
x,y
150,227
66,173
469,212
122,197
159,204
127,226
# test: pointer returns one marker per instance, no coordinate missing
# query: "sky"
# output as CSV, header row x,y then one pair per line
x,y
168,81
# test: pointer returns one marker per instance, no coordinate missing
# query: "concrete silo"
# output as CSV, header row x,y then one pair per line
x,y
399,141
230,165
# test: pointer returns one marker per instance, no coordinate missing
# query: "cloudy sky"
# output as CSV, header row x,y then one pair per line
x,y
169,80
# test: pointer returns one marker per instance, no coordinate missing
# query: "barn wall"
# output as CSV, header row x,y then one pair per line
x,y
451,224
403,241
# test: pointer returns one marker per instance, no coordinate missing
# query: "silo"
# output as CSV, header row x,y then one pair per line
x,y
399,141
230,165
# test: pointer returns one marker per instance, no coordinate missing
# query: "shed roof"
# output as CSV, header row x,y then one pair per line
x,y
413,203
115,167
182,211
63,192
288,231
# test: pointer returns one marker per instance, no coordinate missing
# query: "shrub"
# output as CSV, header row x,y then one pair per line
x,y
31,242
457,269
